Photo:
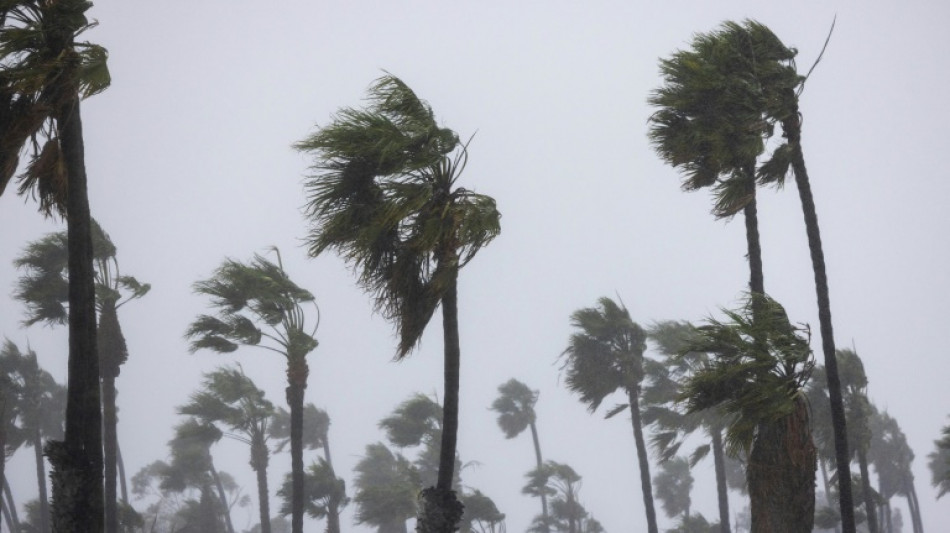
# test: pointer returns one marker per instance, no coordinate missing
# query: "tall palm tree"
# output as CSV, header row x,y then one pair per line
x,y
383,194
45,72
258,305
44,288
515,408
664,385
40,408
604,355
758,368
230,399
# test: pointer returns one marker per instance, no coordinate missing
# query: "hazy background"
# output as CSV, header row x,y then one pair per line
x,y
189,162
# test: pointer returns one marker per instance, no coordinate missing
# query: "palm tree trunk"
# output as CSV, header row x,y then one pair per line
x,y
109,451
781,475
866,490
221,495
333,508
540,461
297,373
259,460
918,521
6,515
78,463
440,511
722,489
792,131
751,216
43,526
13,520
824,479
646,485
120,465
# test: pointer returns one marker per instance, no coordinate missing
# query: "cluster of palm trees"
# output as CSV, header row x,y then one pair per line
x,y
383,193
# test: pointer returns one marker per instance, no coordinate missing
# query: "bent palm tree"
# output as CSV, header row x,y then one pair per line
x,y
259,306
230,398
756,373
604,355
515,408
45,72
383,195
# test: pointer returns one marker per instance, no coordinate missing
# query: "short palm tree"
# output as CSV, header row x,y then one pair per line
x,y
229,398
40,407
893,459
938,461
604,355
515,408
758,368
258,305
386,487
45,71
44,289
562,483
325,494
383,194
673,483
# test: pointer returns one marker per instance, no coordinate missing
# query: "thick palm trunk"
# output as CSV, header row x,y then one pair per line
x,y
792,131
540,462
221,496
440,511
781,475
866,491
43,526
722,489
77,463
646,485
297,373
259,460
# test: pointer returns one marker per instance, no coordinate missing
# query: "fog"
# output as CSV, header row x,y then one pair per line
x,y
190,162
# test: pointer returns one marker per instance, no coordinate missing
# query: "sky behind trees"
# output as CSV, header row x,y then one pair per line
x,y
189,160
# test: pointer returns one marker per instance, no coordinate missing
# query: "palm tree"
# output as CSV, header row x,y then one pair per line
x,y
325,494
386,487
938,461
481,514
673,483
382,196
40,408
259,306
605,354
44,288
854,383
563,484
893,457
316,434
10,389
664,385
229,398
45,72
515,408
757,370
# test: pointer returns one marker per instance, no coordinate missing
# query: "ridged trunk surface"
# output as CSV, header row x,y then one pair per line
x,y
646,485
781,474
297,374
792,132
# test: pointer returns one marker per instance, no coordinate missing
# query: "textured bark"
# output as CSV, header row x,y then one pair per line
x,y
540,462
781,475
792,132
83,437
646,485
439,510
297,373
259,460
751,215
722,488
43,498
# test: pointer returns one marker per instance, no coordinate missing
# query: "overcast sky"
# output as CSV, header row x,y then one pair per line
x,y
189,160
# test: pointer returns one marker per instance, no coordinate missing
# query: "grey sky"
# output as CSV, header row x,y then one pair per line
x,y
189,160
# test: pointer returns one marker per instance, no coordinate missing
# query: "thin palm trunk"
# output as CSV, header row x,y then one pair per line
x,y
43,526
918,521
6,515
13,520
722,489
792,129
824,479
109,451
540,461
333,508
78,463
781,475
120,465
297,373
751,216
221,496
866,491
259,460
646,485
